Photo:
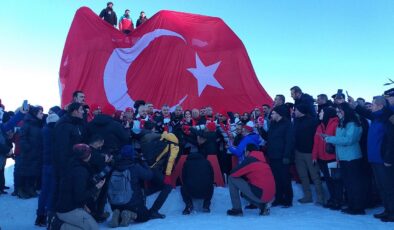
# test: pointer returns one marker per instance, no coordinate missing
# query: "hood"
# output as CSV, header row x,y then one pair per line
x,y
258,155
102,120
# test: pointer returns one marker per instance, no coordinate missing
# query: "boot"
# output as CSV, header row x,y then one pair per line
x,y
32,192
235,212
127,216
205,206
41,221
305,200
188,209
381,215
264,210
353,211
156,215
22,194
114,223
388,218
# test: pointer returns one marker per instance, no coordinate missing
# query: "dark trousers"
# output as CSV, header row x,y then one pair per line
x,y
157,184
45,200
17,176
188,195
335,188
384,177
284,190
354,183
3,161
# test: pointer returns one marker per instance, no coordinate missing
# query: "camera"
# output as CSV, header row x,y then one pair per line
x,y
101,175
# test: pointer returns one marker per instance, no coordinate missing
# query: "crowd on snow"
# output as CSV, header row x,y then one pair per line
x,y
81,157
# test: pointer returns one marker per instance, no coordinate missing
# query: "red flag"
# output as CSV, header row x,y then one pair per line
x,y
174,58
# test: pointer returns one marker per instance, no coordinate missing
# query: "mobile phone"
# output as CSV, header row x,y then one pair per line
x,y
25,105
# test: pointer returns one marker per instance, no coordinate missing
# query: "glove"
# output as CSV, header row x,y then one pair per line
x,y
168,180
286,161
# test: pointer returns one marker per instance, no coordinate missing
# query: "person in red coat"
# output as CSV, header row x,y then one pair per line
x,y
328,124
253,177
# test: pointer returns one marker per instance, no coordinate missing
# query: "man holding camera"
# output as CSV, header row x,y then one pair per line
x,y
77,188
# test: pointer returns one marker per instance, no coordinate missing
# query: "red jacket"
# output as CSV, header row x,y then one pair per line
x,y
126,24
258,174
319,146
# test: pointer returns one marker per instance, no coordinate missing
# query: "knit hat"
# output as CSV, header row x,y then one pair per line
x,y
389,93
249,126
127,151
55,109
82,151
282,110
53,117
211,126
302,108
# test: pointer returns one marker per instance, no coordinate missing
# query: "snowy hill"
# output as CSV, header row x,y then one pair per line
x,y
20,214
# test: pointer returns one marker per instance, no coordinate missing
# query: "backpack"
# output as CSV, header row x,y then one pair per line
x,y
120,191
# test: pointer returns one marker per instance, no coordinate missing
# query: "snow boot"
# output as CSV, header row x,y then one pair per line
x,y
381,215
235,212
264,210
41,221
188,210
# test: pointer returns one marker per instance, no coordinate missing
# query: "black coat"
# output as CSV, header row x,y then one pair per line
x,y
305,129
307,100
68,132
210,146
31,144
141,20
139,172
115,136
109,15
197,175
280,140
48,134
76,187
388,143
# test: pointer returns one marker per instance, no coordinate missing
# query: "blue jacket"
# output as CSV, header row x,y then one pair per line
x,y
239,150
346,141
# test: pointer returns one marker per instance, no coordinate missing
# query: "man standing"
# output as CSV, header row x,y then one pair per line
x,y
303,98
126,25
142,18
109,15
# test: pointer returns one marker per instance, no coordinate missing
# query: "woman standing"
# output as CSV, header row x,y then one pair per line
x,y
348,152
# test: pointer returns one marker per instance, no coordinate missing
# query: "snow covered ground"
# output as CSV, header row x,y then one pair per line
x,y
20,214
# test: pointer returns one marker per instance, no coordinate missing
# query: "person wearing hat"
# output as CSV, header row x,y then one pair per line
x,y
249,137
31,151
280,146
108,14
76,189
135,209
45,202
304,130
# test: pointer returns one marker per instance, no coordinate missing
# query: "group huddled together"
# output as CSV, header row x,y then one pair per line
x,y
83,157
125,23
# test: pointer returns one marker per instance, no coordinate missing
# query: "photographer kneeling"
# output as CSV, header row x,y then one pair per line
x,y
76,190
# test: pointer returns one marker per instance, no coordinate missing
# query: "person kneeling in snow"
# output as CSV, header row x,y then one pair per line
x,y
197,179
253,177
125,194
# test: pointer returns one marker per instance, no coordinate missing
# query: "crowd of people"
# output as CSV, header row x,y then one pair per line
x,y
82,157
125,23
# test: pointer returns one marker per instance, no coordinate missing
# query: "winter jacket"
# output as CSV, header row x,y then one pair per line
x,y
239,150
109,15
68,132
31,143
346,141
388,153
258,174
4,128
305,129
210,146
319,145
139,173
307,100
197,175
115,136
141,20
125,23
76,188
48,135
376,132
280,140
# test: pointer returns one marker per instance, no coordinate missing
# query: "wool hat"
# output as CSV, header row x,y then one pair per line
x,y
282,110
249,126
389,93
82,151
55,109
127,151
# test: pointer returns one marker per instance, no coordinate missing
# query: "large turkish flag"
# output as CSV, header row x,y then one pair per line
x,y
173,58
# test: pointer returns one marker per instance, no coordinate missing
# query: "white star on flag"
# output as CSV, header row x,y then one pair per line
x,y
205,75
